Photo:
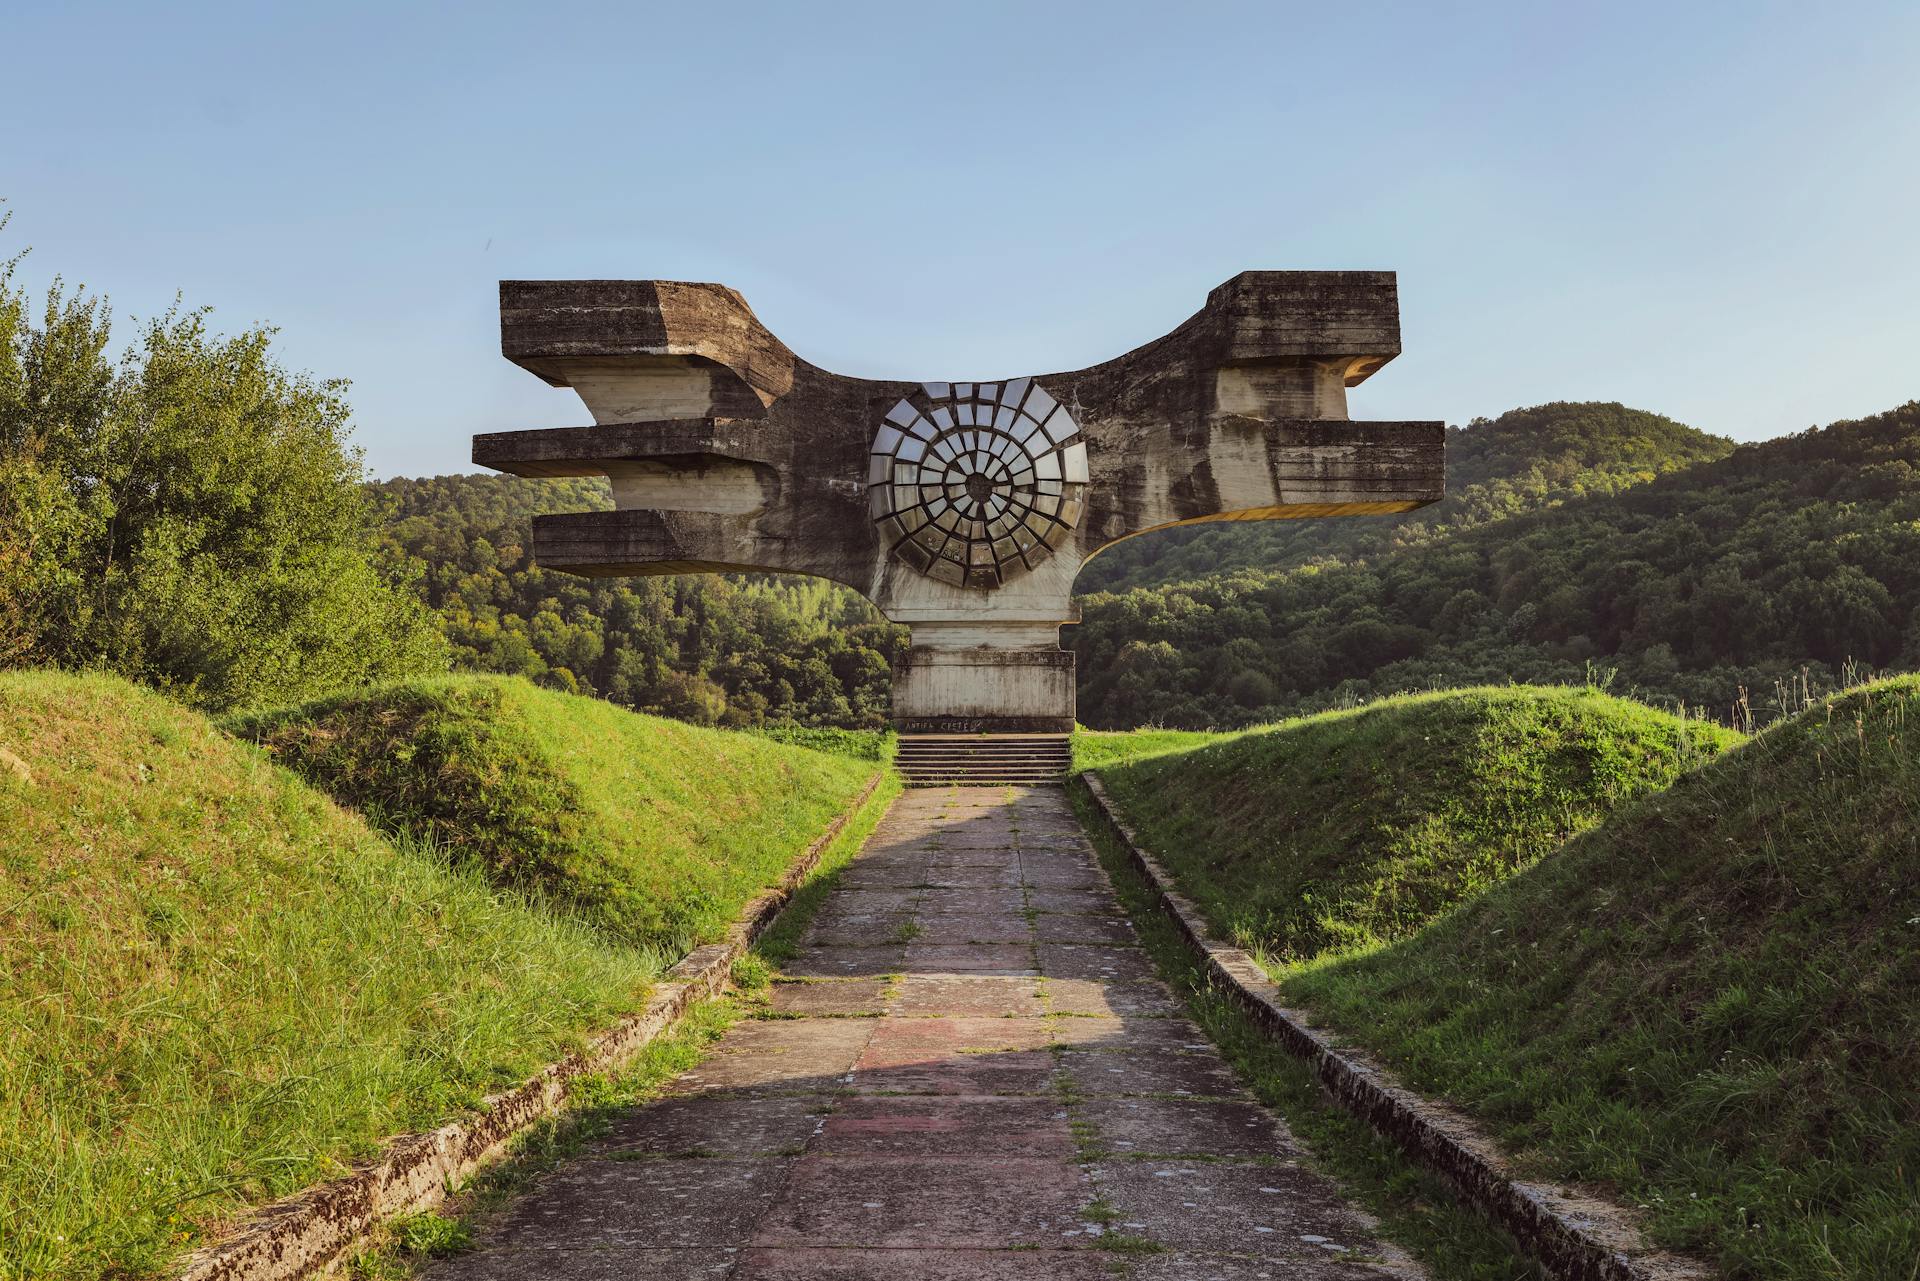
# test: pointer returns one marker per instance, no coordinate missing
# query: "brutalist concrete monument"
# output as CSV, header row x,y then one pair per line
x,y
962,509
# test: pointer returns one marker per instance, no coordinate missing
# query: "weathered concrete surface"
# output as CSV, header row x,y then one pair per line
x,y
999,1106
963,509
1571,1235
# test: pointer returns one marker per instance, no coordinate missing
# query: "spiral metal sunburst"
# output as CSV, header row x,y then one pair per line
x,y
974,484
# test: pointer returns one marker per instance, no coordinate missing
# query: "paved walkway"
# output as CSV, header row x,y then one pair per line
x,y
970,1072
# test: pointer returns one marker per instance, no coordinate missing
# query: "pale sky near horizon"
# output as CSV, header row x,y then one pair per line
x,y
1706,210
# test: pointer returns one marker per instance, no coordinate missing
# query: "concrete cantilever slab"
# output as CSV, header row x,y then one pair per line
x,y
566,329
964,509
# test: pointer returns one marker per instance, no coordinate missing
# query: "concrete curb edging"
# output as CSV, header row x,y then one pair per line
x,y
1574,1237
313,1231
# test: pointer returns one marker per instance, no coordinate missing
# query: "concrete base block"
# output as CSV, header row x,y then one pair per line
x,y
943,690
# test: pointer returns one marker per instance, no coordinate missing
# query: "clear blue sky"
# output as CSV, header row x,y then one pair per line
x,y
1708,210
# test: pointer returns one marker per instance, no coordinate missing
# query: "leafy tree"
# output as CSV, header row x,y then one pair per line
x,y
189,515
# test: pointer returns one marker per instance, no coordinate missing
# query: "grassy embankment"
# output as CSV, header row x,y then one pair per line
x,y
1708,1003
656,830
1095,748
402,1248
219,987
1348,828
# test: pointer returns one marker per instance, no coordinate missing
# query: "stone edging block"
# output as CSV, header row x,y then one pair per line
x,y
312,1232
1574,1237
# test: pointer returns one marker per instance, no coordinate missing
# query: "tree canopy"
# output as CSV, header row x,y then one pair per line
x,y
1725,584
736,650
1575,537
188,514
1524,460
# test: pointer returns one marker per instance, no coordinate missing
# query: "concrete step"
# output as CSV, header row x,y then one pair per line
x,y
989,757
1049,757
1040,780
955,771
983,760
994,740
970,767
1043,749
988,753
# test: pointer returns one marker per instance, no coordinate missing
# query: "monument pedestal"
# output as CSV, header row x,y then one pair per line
x,y
942,687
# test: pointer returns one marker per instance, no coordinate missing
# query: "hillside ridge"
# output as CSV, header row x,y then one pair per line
x,y
1344,829
1740,584
1523,460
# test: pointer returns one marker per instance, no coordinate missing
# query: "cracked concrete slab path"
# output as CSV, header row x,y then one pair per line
x,y
969,1072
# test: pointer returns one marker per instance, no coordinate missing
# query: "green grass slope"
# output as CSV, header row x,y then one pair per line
x,y
1710,1003
1342,829
1098,748
655,830
216,986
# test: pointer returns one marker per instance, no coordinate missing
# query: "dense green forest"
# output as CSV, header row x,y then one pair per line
x,y
738,650
1727,585
1578,542
1521,461
755,650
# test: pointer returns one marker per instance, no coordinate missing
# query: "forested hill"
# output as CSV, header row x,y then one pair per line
x,y
1781,561
1521,461
733,650
1575,537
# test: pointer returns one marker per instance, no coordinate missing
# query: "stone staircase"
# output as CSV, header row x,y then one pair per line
x,y
984,760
